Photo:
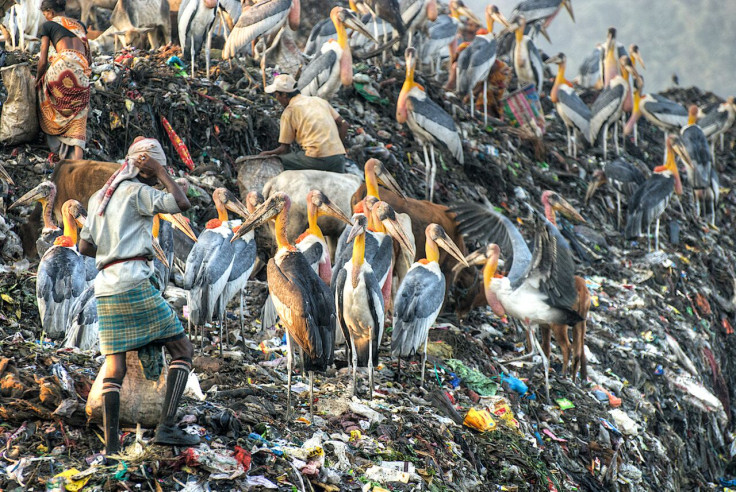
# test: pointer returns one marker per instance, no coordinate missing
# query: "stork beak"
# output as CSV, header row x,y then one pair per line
x,y
160,252
568,7
639,59
592,187
448,245
500,18
262,214
236,206
563,206
79,213
544,32
5,176
681,152
397,232
463,10
384,178
178,221
36,194
356,24
357,230
333,210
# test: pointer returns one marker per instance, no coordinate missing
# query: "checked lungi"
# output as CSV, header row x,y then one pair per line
x,y
135,318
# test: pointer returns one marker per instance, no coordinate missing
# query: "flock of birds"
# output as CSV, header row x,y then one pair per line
x,y
535,285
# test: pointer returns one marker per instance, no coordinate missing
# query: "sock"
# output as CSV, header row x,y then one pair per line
x,y
111,413
176,382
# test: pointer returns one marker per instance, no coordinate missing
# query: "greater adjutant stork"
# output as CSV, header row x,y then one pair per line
x,y
420,297
163,243
415,14
719,121
542,10
573,112
427,121
359,305
526,59
623,176
701,172
474,63
45,194
195,20
650,200
540,287
61,275
303,301
210,262
608,108
334,66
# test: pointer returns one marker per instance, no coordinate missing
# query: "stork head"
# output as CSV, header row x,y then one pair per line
x,y
77,211
599,179
519,27
343,18
432,10
437,235
71,212
252,200
458,9
692,114
489,272
670,165
555,201
225,200
494,15
374,167
276,204
636,55
383,212
318,201
627,68
44,192
360,225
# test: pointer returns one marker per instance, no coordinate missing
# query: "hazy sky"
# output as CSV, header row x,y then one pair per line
x,y
694,39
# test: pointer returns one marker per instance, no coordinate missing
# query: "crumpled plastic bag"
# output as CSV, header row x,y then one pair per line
x,y
19,120
473,379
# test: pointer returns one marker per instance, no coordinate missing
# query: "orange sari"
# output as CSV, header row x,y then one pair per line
x,y
64,94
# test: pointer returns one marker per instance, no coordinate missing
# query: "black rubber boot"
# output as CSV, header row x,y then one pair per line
x,y
111,414
166,432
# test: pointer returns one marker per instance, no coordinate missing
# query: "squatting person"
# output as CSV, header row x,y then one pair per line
x,y
313,123
131,311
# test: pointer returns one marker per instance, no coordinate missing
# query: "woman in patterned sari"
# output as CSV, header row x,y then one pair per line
x,y
63,82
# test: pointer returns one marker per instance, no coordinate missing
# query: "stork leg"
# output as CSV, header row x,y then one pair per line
x,y
649,237
569,140
656,236
370,365
636,134
289,357
485,102
623,135
605,141
424,360
472,104
355,365
207,49
241,314
615,138
545,360
311,396
618,210
191,52
432,174
426,171
721,138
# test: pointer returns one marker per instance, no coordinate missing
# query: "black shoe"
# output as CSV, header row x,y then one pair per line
x,y
171,435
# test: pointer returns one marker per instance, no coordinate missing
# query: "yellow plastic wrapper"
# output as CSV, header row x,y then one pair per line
x,y
73,485
480,420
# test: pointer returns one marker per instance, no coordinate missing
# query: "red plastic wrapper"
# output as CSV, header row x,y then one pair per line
x,y
178,144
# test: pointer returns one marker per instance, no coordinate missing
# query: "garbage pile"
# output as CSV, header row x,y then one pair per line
x,y
654,414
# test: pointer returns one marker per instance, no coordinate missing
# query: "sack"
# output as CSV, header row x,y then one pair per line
x,y
141,400
19,119
523,109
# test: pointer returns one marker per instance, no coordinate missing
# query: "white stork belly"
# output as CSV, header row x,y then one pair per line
x,y
356,312
525,303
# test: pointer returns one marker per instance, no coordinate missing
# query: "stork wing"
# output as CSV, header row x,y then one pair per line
x,y
668,112
575,109
534,10
552,265
624,172
607,103
305,307
321,32
339,288
317,73
484,224
418,301
713,121
262,18
434,120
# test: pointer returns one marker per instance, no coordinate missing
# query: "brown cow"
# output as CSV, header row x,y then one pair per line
x,y
79,180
